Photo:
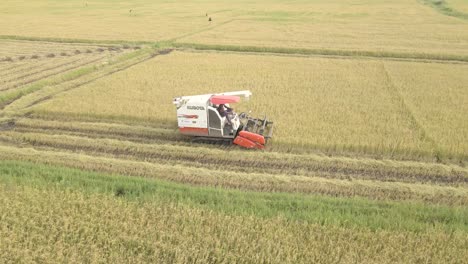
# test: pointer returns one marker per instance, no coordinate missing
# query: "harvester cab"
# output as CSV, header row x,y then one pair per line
x,y
209,118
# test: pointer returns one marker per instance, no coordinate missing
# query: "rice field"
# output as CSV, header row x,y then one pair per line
x,y
460,5
310,103
367,164
91,225
382,37
140,20
380,26
27,66
376,26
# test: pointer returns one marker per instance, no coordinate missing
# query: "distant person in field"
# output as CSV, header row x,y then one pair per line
x,y
224,111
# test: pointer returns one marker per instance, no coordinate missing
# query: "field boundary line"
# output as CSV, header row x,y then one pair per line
x,y
172,43
444,8
334,57
326,52
74,41
201,30
391,87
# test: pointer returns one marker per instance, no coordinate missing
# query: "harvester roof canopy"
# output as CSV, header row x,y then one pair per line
x,y
224,99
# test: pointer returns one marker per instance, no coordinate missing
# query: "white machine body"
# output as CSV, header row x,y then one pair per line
x,y
198,116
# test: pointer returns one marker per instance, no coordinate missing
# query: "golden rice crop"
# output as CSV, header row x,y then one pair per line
x,y
437,96
137,20
334,105
50,225
399,26
459,5
385,26
17,48
117,117
16,102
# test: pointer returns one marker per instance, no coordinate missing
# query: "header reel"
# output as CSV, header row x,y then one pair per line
x,y
256,125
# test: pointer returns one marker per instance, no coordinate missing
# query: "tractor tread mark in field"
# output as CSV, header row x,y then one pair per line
x,y
212,141
6,126
258,184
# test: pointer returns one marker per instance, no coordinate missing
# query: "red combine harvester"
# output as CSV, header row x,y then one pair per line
x,y
210,119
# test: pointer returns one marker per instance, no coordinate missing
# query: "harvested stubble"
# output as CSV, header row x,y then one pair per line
x,y
267,172
274,163
15,102
27,48
54,67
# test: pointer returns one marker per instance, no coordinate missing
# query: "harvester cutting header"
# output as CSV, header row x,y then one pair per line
x,y
209,118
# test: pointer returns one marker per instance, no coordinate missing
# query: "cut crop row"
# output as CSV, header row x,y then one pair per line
x,y
248,161
16,102
28,67
28,49
374,190
51,71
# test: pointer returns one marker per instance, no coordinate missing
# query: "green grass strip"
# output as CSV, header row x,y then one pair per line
x,y
326,52
345,212
443,7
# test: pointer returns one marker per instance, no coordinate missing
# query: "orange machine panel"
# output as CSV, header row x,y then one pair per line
x,y
253,137
194,131
246,143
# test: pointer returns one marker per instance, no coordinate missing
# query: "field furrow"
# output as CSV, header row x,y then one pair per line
x,y
22,75
48,72
28,49
18,68
273,163
30,68
377,190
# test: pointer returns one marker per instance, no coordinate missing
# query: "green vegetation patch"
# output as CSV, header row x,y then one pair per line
x,y
443,7
326,52
351,212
